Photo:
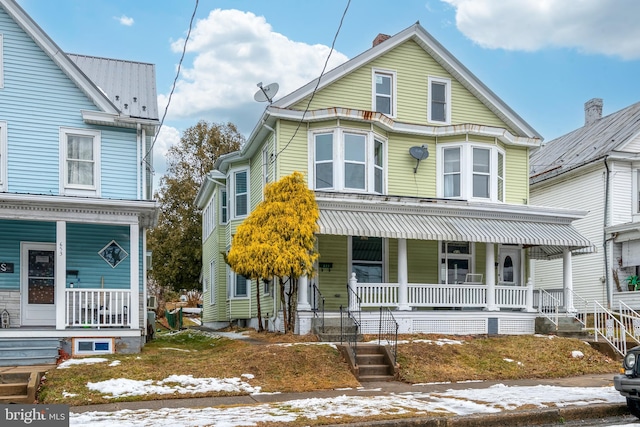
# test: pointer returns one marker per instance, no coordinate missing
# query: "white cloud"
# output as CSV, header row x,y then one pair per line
x,y
595,27
235,50
125,20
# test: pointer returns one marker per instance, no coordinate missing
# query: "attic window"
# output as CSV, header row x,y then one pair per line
x,y
439,102
384,89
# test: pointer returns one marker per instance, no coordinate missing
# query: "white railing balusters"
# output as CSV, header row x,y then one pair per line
x,y
96,308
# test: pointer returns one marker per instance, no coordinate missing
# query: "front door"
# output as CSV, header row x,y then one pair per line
x,y
37,284
509,268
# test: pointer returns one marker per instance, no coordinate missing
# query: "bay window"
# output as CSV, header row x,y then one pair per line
x,y
471,171
347,161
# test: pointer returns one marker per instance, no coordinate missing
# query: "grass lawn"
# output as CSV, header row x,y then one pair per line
x,y
287,363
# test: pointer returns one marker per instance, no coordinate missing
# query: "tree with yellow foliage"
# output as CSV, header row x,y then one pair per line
x,y
277,241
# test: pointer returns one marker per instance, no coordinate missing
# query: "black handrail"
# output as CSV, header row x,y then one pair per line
x,y
318,306
350,321
388,331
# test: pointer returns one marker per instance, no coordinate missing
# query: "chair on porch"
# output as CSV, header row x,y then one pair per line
x,y
473,279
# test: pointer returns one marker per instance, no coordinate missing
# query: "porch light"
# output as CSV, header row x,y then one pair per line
x,y
6,320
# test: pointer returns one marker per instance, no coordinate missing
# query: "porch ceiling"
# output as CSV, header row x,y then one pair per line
x,y
549,238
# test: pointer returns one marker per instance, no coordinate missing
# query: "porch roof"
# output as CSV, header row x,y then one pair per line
x,y
547,235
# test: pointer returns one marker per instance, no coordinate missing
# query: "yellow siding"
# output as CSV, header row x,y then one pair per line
x,y
422,262
401,177
413,66
292,153
517,175
333,284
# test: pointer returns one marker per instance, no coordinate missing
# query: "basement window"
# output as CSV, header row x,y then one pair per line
x,y
84,346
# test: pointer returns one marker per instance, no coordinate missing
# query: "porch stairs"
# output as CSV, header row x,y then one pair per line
x,y
330,330
19,384
28,351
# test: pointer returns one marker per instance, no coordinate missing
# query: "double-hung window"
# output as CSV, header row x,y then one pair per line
x,y
456,262
240,193
224,215
384,87
367,259
212,281
348,161
439,100
208,219
80,161
471,171
3,155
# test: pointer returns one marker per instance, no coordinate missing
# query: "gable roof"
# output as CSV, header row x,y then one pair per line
x,y
441,55
586,144
110,113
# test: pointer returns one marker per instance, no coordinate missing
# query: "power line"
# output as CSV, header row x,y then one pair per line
x,y
306,110
173,87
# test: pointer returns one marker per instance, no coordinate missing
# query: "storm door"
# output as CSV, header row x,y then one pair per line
x,y
37,284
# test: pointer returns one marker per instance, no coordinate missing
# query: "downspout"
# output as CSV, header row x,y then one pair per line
x,y
604,233
272,320
139,142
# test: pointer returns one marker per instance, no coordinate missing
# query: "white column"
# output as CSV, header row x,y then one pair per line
x,y
61,273
403,276
353,284
529,302
134,309
567,280
303,294
490,276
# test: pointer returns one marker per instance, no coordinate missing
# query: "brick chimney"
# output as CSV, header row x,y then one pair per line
x,y
379,39
592,111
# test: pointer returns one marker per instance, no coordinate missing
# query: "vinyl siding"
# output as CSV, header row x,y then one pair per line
x,y
588,269
333,284
517,175
413,66
292,153
119,163
621,202
401,179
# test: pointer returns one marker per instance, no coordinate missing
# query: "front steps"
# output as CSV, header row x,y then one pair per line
x,y
331,332
28,351
19,384
568,327
372,362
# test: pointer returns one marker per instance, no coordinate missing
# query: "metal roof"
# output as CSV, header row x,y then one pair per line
x,y
584,145
442,220
129,85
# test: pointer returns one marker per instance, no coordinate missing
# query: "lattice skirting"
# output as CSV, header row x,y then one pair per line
x,y
516,326
450,326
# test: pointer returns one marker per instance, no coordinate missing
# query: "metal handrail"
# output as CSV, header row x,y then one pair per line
x,y
548,306
631,320
388,331
318,306
614,331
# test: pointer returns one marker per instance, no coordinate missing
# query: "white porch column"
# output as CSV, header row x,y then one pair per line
x,y
134,247
529,302
61,273
567,280
303,294
403,276
490,276
353,284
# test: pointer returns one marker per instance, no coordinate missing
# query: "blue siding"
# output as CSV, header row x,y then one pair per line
x,y
38,99
84,241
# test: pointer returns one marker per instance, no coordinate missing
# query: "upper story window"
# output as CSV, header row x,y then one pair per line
x,y
384,89
265,168
224,216
80,161
471,171
208,219
3,156
240,193
439,100
348,161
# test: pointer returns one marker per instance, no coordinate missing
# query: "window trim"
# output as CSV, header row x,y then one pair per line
x,y
467,173
443,254
447,94
338,161
385,257
3,155
234,289
211,281
80,190
208,219
224,206
393,103
231,201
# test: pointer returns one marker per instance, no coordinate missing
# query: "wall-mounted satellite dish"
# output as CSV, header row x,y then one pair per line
x,y
266,93
419,153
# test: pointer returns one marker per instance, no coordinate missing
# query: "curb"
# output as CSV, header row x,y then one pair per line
x,y
516,418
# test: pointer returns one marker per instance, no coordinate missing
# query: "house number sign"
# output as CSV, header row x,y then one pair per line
x,y
6,267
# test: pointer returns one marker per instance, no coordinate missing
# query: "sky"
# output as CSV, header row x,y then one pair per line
x,y
544,58
476,399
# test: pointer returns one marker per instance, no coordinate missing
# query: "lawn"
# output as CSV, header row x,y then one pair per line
x,y
287,363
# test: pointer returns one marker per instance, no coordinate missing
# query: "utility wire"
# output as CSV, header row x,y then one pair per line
x,y
173,87
335,37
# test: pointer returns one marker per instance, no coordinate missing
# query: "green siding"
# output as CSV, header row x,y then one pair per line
x,y
292,153
401,179
333,284
422,261
517,175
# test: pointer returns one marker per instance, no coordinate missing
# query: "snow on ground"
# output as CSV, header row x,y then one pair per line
x,y
493,399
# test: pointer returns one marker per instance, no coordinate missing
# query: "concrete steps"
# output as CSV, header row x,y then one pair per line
x,y
31,351
373,364
331,332
20,384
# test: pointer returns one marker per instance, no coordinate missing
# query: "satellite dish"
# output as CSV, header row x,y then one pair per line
x,y
266,93
419,153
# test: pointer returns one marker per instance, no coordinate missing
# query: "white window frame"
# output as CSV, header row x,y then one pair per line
x,y
444,254
224,205
447,94
208,219
231,200
212,280
467,173
234,290
1,61
80,190
384,262
3,155
375,72
339,161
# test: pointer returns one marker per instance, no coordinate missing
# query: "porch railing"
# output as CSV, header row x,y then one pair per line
x,y
317,306
440,295
388,332
350,322
607,326
97,308
631,320
549,306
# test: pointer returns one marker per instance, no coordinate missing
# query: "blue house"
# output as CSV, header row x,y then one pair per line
x,y
75,192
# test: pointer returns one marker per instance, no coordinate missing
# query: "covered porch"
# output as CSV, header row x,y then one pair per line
x,y
449,266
